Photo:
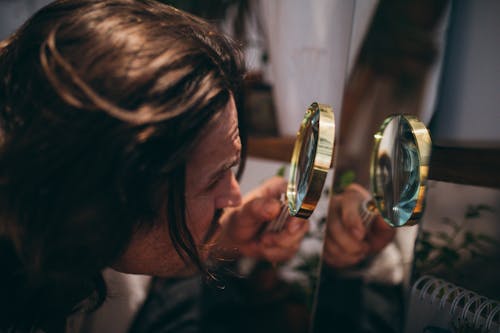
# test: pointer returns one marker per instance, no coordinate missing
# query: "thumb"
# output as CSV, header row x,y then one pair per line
x,y
261,209
246,221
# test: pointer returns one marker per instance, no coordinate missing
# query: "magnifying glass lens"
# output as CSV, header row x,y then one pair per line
x,y
396,165
409,176
306,158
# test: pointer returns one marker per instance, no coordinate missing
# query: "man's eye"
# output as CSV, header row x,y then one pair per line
x,y
215,181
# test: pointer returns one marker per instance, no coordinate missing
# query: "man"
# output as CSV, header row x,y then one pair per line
x,y
119,130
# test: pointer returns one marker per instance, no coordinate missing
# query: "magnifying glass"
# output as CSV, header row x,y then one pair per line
x,y
311,159
398,172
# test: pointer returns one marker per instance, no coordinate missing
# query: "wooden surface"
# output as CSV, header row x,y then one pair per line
x,y
471,166
273,148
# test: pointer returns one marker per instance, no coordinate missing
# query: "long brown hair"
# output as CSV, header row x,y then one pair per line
x,y
100,105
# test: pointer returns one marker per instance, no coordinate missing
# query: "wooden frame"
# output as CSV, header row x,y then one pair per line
x,y
471,166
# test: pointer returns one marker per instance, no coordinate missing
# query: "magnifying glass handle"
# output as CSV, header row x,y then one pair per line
x,y
368,211
278,223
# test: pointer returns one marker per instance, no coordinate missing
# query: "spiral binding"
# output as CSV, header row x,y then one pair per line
x,y
464,305
477,316
492,315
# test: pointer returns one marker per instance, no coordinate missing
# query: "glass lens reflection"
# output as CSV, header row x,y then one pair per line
x,y
306,159
397,172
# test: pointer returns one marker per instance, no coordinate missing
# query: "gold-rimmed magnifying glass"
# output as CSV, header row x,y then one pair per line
x,y
311,160
398,171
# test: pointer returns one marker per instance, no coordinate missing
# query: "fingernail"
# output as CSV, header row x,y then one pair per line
x,y
294,226
358,233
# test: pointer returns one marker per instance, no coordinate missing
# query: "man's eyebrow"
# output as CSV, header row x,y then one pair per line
x,y
228,165
235,135
224,167
236,160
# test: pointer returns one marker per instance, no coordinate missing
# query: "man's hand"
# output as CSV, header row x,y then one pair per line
x,y
244,226
347,240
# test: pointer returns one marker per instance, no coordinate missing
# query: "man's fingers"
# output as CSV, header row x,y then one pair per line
x,y
245,222
292,234
347,240
344,239
282,246
278,254
272,188
350,216
257,211
381,234
334,256
345,207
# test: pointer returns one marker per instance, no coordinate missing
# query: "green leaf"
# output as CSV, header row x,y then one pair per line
x,y
346,178
486,208
450,222
281,171
474,211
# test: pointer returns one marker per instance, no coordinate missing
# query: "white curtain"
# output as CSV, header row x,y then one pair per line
x,y
309,45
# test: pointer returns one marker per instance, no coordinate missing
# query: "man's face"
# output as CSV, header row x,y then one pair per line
x,y
210,187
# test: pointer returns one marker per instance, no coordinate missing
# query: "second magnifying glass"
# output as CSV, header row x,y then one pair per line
x,y
398,172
